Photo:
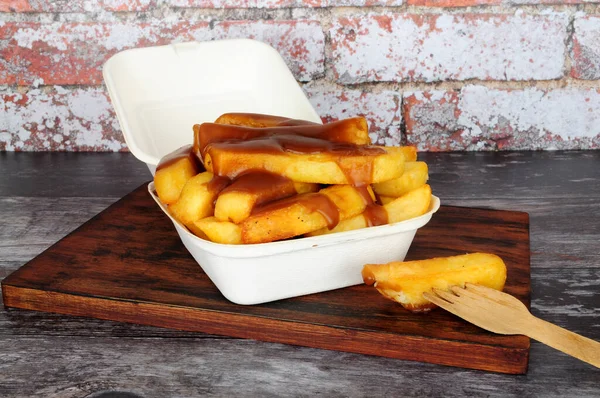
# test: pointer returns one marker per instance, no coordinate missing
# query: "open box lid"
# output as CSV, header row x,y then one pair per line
x,y
160,92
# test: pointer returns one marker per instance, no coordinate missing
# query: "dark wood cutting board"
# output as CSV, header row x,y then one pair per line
x,y
127,264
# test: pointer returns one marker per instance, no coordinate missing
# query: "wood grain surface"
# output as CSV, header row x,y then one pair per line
x,y
45,196
112,268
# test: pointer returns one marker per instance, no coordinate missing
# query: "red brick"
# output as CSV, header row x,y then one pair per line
x,y
585,49
75,5
212,3
380,108
45,6
469,3
364,3
290,3
560,2
73,53
479,118
301,43
280,3
59,120
15,6
452,3
127,5
434,47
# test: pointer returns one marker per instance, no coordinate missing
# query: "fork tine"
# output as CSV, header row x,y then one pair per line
x,y
459,291
440,302
433,298
449,297
464,293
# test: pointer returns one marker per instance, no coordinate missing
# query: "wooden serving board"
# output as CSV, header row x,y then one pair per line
x,y
127,264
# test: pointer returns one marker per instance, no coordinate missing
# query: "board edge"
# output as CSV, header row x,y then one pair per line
x,y
412,348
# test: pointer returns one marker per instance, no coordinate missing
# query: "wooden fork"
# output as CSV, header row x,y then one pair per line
x,y
504,314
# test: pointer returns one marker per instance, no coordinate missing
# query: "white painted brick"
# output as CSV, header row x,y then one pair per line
x,y
212,3
364,3
409,47
300,43
279,3
480,118
585,49
381,109
79,119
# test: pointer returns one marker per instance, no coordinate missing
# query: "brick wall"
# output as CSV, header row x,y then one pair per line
x,y
440,74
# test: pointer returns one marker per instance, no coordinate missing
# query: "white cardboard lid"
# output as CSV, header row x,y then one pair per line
x,y
160,92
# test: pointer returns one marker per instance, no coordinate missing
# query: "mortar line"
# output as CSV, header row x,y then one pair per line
x,y
167,13
375,87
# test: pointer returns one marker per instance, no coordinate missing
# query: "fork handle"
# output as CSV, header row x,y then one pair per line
x,y
564,340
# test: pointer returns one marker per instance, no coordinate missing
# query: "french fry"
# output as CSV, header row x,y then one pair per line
x,y
349,131
301,214
236,202
410,205
197,231
386,199
173,171
259,120
410,152
349,200
405,282
356,222
219,231
320,168
305,187
196,199
415,175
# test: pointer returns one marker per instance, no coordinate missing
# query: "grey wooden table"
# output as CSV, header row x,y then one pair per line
x,y
44,196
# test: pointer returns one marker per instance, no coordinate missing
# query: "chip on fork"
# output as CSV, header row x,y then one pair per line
x,y
502,313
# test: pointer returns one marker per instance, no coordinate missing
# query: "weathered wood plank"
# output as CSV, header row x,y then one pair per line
x,y
76,367
510,175
568,297
460,175
32,224
64,174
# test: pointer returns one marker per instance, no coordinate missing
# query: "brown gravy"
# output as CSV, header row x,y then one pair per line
x,y
266,186
259,120
288,136
359,171
374,213
312,202
181,153
217,184
296,122
365,193
342,131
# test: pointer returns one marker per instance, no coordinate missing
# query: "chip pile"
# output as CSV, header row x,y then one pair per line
x,y
251,178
